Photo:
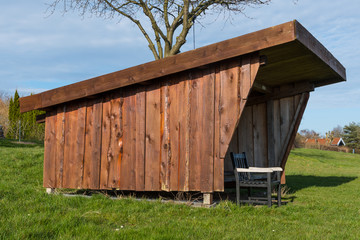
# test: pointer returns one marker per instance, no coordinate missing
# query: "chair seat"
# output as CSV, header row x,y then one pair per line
x,y
257,183
253,182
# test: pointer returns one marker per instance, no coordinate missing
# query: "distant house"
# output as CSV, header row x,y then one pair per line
x,y
326,141
337,142
310,141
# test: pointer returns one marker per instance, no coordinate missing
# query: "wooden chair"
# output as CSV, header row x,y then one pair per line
x,y
248,177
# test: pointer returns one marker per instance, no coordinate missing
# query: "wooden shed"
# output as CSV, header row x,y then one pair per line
x,y
169,125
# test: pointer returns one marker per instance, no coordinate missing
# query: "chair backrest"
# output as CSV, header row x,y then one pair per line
x,y
239,161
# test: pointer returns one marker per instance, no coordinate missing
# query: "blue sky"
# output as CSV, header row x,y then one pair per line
x,y
40,52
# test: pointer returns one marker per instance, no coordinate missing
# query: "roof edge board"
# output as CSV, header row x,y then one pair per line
x,y
216,52
245,44
309,41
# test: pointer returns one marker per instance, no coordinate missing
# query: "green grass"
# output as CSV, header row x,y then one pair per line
x,y
324,188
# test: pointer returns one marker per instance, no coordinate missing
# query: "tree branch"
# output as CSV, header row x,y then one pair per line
x,y
181,39
137,22
163,15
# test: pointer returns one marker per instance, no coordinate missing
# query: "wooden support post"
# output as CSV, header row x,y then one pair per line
x,y
268,176
208,198
50,190
270,133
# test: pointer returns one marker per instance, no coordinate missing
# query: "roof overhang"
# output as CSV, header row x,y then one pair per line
x,y
293,55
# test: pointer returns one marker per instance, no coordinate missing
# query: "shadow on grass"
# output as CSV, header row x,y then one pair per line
x,y
24,144
323,155
298,182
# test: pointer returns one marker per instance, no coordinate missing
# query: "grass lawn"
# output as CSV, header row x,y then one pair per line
x,y
324,186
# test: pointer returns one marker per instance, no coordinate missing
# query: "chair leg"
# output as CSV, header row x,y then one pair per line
x,y
279,195
279,189
237,193
269,189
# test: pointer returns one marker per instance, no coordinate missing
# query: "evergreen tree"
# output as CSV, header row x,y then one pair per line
x,y
30,130
16,106
352,135
16,115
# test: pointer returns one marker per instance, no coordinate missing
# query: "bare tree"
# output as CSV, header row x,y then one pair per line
x,y
309,133
337,131
4,111
167,17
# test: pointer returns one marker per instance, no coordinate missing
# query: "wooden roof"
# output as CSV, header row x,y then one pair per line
x,y
293,55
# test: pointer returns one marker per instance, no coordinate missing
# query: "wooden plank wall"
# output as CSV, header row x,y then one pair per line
x,y
267,131
170,135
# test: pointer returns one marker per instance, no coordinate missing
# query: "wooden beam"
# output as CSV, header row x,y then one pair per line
x,y
309,41
40,118
262,88
263,60
289,140
277,94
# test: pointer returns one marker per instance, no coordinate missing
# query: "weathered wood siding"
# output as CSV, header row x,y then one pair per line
x,y
171,135
267,131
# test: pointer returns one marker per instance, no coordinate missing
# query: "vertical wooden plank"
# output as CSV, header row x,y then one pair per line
x,y
195,131
183,122
128,160
294,126
125,161
218,161
69,148
165,154
74,145
249,68
152,155
105,141
207,131
235,92
246,134
229,104
260,135
187,112
270,133
50,154
175,101
140,139
233,147
277,132
116,142
80,141
132,170
60,144
92,153
255,64
285,117
111,142
245,77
